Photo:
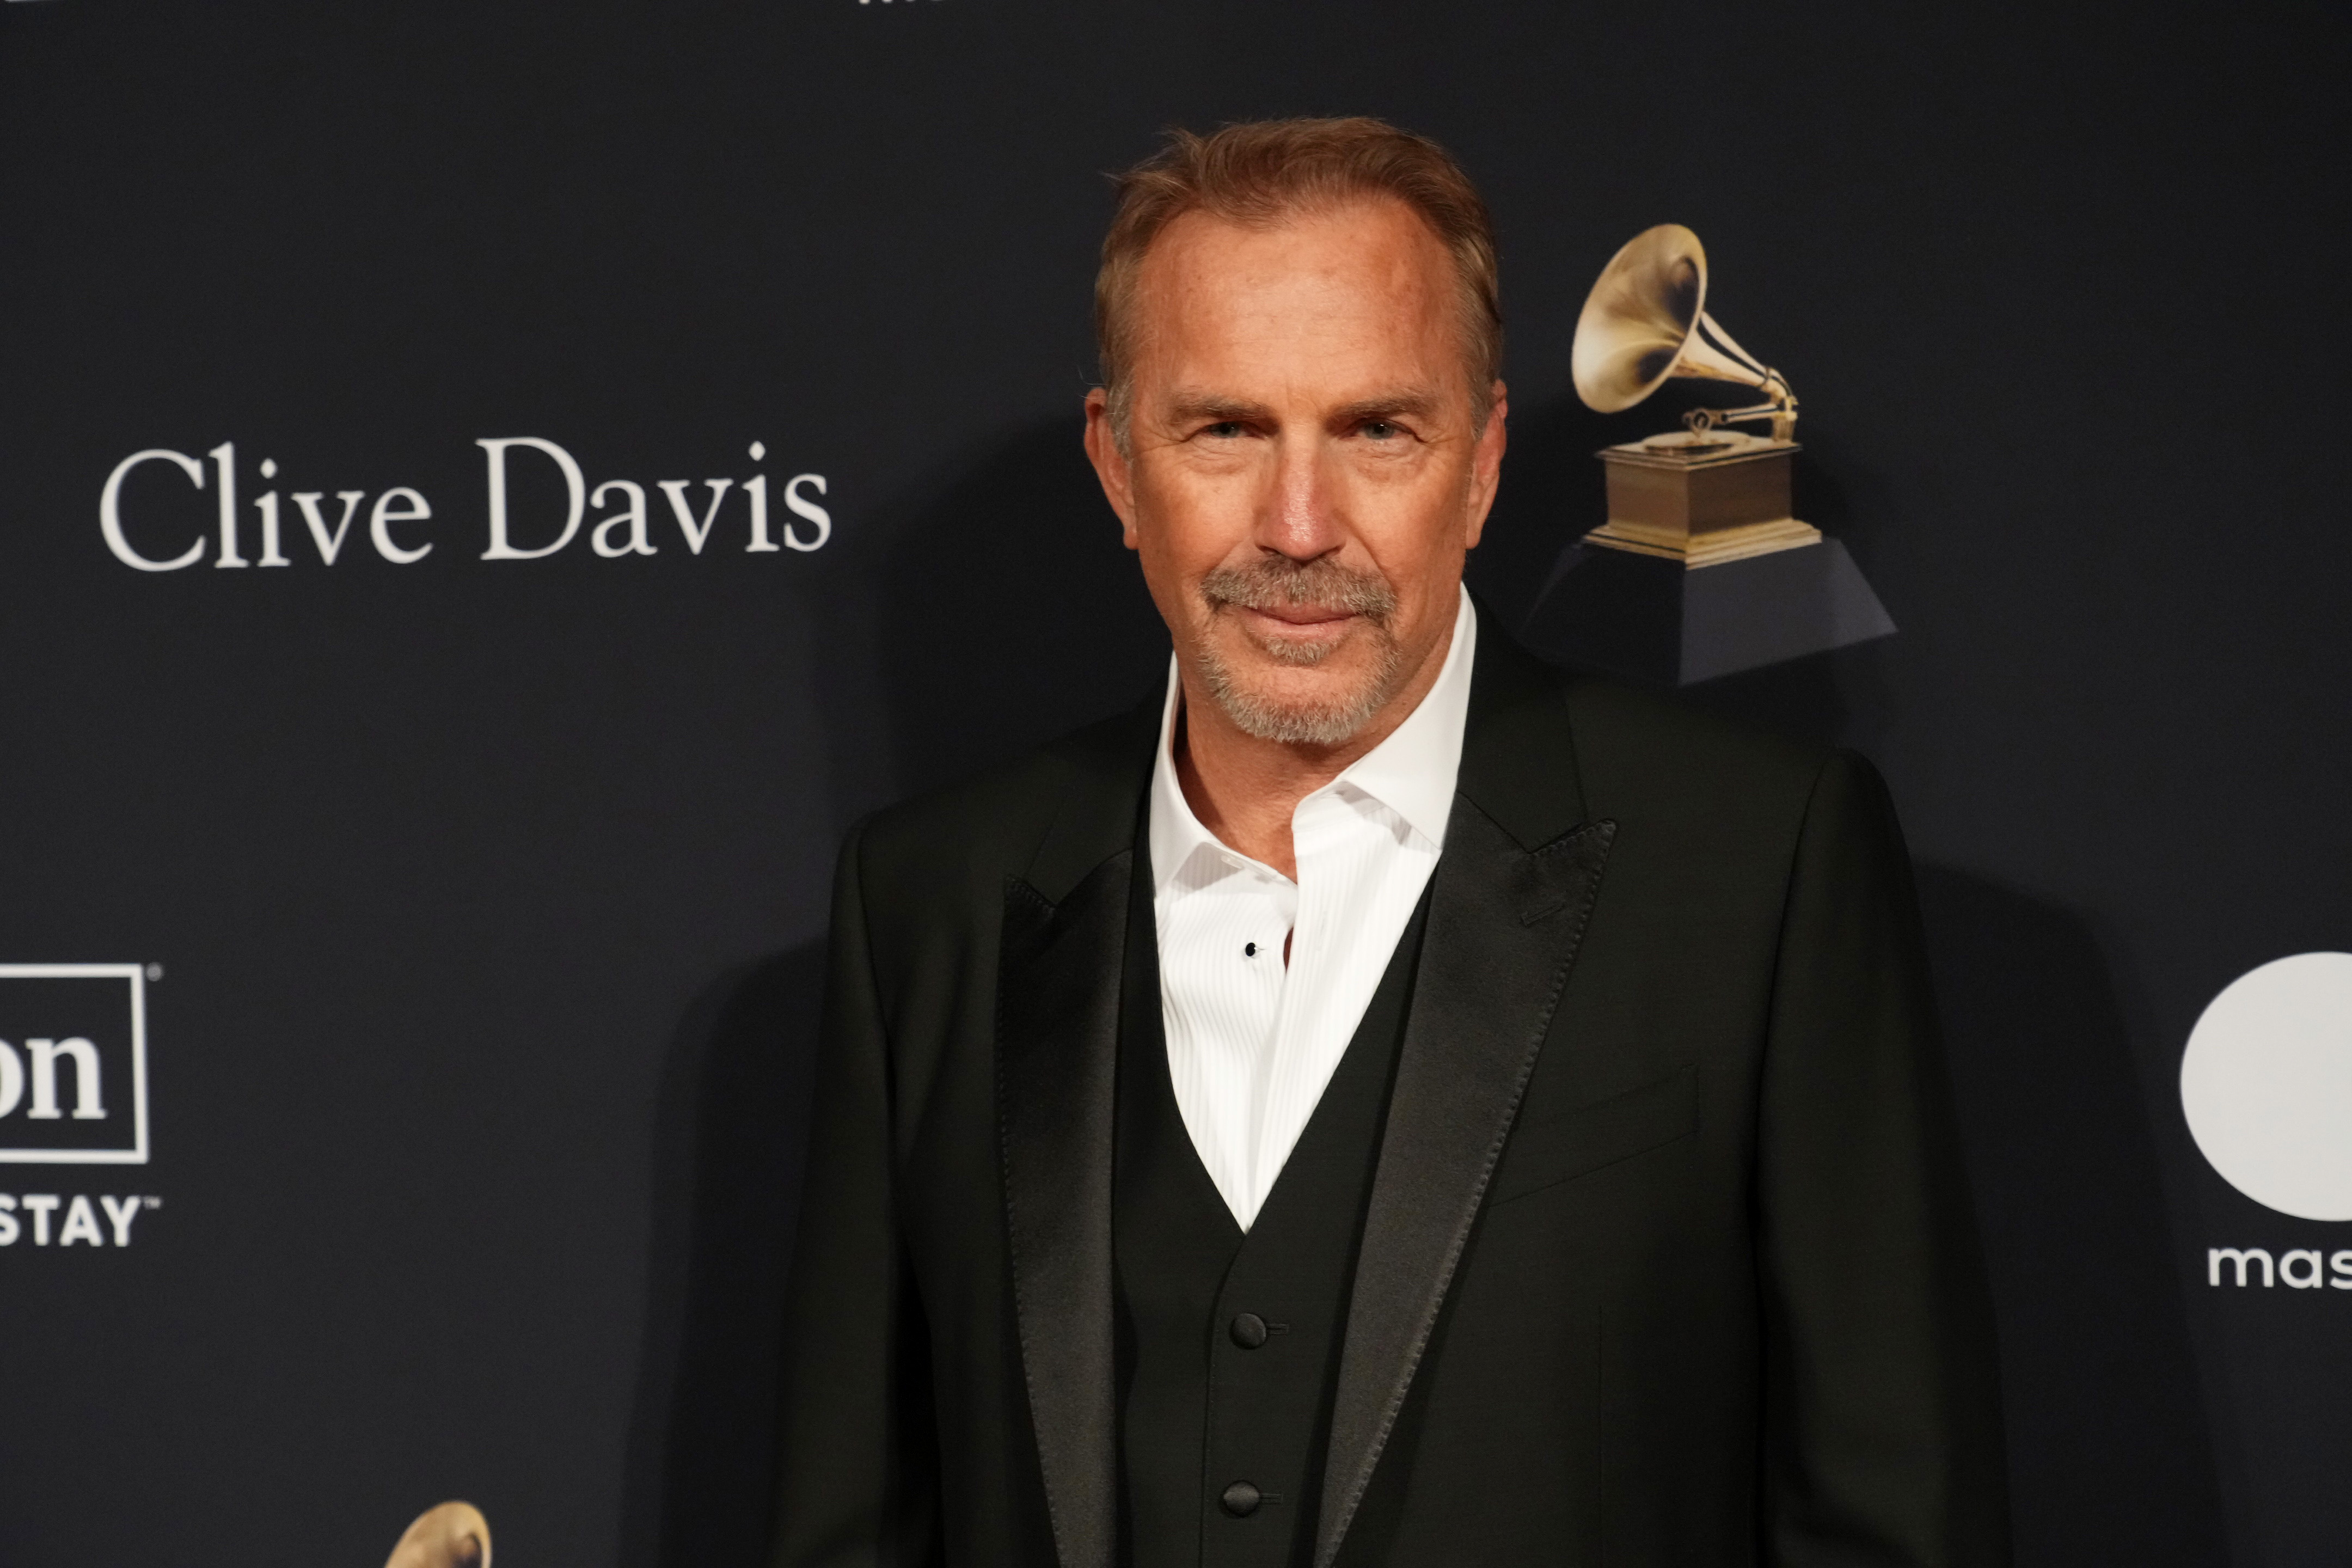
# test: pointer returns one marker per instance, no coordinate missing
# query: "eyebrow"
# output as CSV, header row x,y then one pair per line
x,y
1420,403
1191,406
1411,402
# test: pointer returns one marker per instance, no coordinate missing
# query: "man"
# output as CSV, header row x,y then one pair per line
x,y
1383,1101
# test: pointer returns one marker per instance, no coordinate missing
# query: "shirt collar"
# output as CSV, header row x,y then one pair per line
x,y
1412,773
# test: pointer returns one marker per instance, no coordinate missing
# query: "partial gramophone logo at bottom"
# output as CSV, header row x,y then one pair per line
x,y
454,1535
1701,569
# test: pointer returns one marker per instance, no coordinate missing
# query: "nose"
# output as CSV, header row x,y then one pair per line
x,y
1301,518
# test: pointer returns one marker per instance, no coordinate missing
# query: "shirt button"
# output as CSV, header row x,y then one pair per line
x,y
1249,950
1248,1330
1240,1499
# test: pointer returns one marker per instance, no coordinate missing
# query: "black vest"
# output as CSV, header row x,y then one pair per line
x,y
1228,1347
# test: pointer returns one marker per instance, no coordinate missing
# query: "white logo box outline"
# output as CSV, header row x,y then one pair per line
x,y
137,974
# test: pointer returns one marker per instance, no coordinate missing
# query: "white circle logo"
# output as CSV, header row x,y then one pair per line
x,y
2266,1082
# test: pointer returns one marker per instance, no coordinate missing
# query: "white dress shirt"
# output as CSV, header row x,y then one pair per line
x,y
1252,1043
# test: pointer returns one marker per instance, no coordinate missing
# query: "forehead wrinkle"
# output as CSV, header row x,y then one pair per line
x,y
1266,261
1211,284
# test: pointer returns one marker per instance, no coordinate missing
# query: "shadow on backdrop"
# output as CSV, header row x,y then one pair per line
x,y
1552,496
733,1128
2111,1456
1020,615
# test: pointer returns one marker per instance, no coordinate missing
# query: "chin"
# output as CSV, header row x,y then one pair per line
x,y
1326,704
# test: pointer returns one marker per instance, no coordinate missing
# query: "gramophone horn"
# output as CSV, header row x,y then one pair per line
x,y
454,1535
1645,322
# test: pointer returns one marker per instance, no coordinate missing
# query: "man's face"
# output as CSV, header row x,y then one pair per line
x,y
1304,468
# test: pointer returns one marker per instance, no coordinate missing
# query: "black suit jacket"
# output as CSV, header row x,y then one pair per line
x,y
1668,1259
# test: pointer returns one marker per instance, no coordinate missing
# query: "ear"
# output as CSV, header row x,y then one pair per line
x,y
1110,464
1487,469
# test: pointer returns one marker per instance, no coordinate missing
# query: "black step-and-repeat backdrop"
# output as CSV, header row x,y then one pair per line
x,y
489,491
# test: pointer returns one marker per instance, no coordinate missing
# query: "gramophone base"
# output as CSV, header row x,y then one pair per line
x,y
1652,620
1701,498
1709,548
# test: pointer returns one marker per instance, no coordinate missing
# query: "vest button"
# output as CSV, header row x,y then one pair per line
x,y
1240,1499
1248,1330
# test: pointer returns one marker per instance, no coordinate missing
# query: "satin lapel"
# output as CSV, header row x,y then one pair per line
x,y
1059,966
1057,1050
1509,904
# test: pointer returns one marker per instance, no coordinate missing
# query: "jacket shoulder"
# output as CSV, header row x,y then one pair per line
x,y
967,838
1647,756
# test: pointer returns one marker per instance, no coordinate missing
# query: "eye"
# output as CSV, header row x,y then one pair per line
x,y
1224,429
1380,430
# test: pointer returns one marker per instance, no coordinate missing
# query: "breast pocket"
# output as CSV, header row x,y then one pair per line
x,y
1580,1142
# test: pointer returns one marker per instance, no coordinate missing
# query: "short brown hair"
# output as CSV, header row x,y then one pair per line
x,y
1263,172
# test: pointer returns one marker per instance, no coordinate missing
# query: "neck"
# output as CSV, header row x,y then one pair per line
x,y
1245,790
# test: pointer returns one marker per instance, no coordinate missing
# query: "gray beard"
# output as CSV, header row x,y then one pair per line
x,y
1276,580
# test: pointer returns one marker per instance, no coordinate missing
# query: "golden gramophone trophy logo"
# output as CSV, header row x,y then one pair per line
x,y
1708,493
1701,569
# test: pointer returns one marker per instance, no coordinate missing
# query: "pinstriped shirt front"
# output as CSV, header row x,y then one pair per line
x,y
1252,1042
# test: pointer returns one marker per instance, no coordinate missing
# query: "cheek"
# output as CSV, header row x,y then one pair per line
x,y
1169,547
1410,522
1193,518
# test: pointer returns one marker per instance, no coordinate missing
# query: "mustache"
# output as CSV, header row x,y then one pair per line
x,y
1275,581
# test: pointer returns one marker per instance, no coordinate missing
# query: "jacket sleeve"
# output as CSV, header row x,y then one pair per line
x,y
856,1482
1882,1412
